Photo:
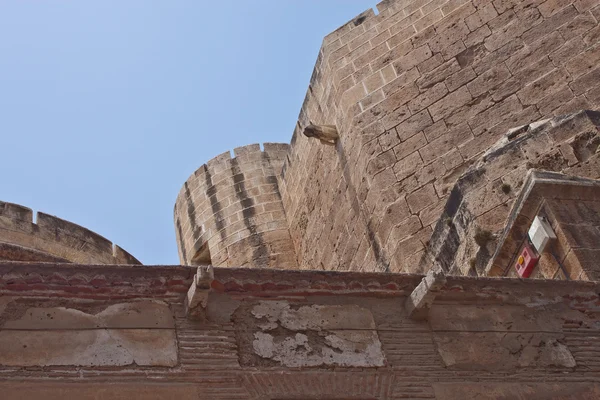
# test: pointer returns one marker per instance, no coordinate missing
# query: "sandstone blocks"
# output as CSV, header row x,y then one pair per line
x,y
229,212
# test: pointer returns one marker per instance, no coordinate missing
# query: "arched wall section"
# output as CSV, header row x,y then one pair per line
x,y
53,239
229,212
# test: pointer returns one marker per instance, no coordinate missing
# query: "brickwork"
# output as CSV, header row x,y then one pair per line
x,y
53,239
229,212
419,92
499,338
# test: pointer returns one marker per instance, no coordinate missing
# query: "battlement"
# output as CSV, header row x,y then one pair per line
x,y
274,152
49,238
229,211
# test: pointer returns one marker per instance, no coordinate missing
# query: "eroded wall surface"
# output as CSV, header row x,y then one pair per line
x,y
105,332
418,93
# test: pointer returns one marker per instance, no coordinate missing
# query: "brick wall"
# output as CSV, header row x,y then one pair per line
x,y
53,239
418,93
229,212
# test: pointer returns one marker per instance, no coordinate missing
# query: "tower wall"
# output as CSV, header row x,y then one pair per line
x,y
229,212
418,93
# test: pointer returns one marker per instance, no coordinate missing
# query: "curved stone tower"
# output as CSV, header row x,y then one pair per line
x,y
51,239
229,212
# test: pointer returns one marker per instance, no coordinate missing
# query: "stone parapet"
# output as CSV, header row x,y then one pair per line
x,y
52,239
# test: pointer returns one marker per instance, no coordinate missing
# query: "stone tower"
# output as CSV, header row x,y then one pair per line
x,y
229,212
425,96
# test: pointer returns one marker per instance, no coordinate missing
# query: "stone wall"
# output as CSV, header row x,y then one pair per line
x,y
105,332
229,212
53,239
491,207
577,226
418,93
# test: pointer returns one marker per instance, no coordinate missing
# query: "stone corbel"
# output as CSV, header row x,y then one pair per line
x,y
197,295
327,134
419,302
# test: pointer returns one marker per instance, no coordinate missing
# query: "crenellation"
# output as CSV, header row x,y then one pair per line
x,y
52,238
60,226
230,207
16,211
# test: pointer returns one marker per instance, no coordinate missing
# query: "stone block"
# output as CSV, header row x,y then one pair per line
x,y
421,198
409,146
421,299
546,85
481,17
142,333
550,24
444,107
454,137
488,80
585,82
503,351
412,59
428,97
408,166
438,75
550,7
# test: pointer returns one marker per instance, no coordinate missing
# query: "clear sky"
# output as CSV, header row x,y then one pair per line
x,y
107,106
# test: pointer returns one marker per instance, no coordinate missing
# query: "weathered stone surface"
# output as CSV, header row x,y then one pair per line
x,y
493,318
502,351
141,314
419,302
316,335
98,347
494,346
141,333
343,348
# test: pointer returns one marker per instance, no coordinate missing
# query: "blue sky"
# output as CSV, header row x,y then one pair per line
x,y
106,107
